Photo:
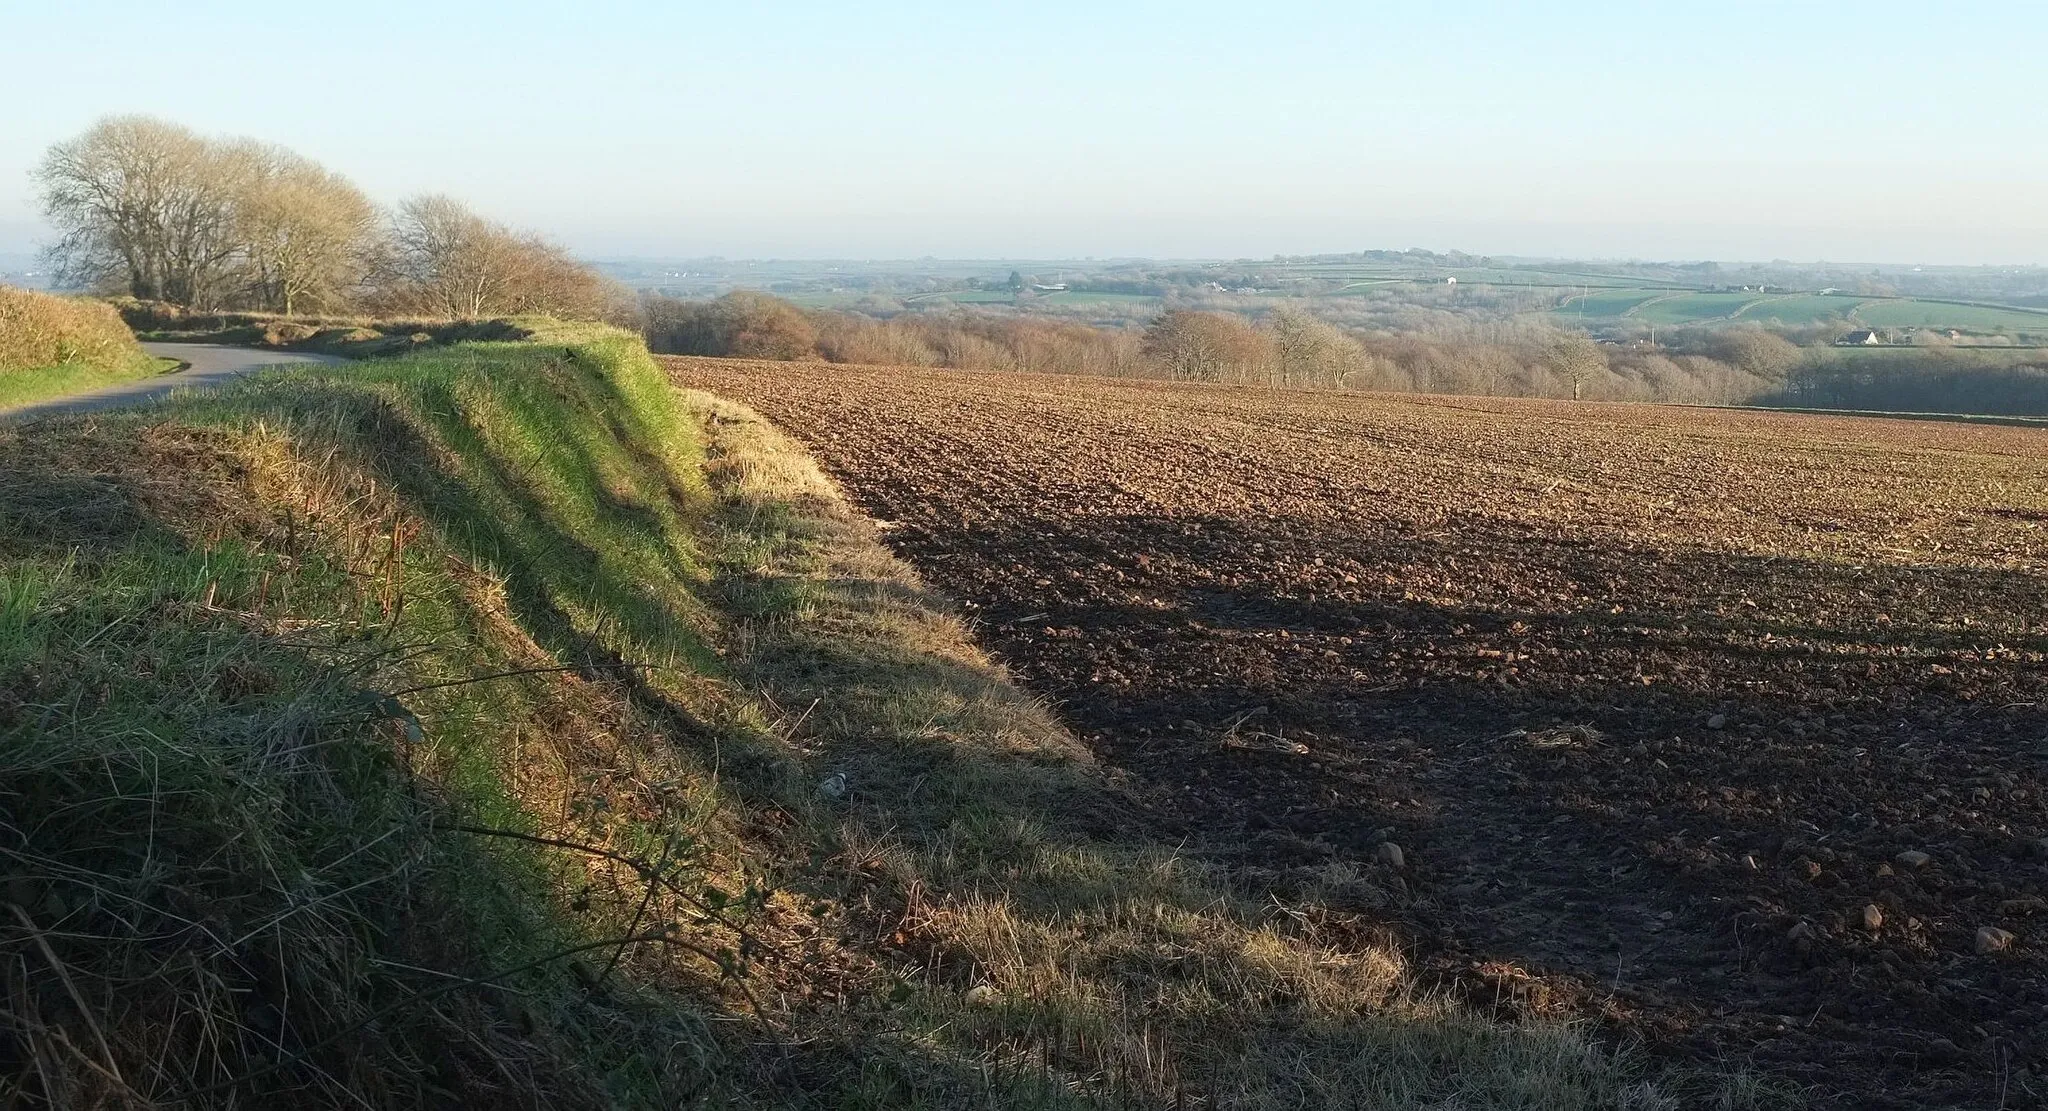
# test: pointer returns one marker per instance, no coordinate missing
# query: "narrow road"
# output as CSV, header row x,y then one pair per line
x,y
212,365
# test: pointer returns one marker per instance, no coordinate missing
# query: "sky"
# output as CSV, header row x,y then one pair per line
x,y
1869,131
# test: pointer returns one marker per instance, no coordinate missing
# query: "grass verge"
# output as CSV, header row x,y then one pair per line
x,y
26,387
498,725
52,346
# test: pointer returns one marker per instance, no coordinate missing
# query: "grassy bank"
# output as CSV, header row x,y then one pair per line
x,y
51,346
498,725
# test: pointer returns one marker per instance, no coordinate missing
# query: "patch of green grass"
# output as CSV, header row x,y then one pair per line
x,y
51,346
1606,303
1691,308
1804,308
1942,314
25,387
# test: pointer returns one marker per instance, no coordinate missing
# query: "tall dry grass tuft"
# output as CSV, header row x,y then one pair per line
x,y
40,330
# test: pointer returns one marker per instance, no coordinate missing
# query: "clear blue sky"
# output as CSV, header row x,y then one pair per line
x,y
1867,131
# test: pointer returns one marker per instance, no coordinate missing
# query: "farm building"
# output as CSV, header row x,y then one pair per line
x,y
1863,338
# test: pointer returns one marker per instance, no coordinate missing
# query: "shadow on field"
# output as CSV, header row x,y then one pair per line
x,y
1670,787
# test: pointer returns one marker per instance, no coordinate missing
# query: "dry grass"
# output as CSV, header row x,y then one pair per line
x,y
37,330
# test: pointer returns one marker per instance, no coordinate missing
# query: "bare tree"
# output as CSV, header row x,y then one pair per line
x,y
445,259
162,213
1756,352
1310,352
308,233
1577,360
146,206
750,325
1493,369
1206,346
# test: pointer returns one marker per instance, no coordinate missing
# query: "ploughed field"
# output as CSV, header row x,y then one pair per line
x,y
1724,728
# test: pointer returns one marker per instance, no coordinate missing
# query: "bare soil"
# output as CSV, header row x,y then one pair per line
x,y
1652,700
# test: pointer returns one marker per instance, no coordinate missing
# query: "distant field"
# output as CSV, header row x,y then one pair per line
x,y
1690,308
1608,302
1665,308
1805,308
1938,314
1586,299
971,297
1491,275
1005,297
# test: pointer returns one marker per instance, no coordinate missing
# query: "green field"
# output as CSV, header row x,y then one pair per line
x,y
1940,314
1070,298
1083,297
1658,307
1802,308
1607,303
1584,299
1691,308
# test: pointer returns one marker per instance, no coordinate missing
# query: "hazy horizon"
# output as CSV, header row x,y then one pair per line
x,y
1063,131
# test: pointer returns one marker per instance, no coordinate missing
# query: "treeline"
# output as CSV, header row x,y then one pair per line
x,y
1290,347
1284,347
757,326
160,213
1928,380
